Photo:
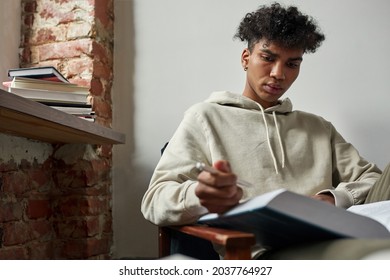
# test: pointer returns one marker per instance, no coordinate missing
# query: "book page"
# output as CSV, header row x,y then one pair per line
x,y
248,205
379,211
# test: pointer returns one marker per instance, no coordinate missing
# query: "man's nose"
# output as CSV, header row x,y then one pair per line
x,y
277,72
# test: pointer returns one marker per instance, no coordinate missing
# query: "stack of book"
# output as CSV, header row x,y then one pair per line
x,y
48,86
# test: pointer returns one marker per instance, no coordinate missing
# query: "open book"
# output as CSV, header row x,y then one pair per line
x,y
379,211
282,218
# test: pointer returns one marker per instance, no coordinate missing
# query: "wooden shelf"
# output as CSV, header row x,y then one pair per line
x,y
22,117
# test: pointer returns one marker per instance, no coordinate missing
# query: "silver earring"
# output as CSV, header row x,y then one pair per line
x,y
245,68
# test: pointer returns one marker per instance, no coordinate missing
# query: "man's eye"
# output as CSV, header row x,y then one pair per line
x,y
267,58
293,65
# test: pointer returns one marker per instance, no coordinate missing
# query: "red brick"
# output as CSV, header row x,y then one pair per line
x,y
82,228
42,230
86,248
13,253
16,183
25,164
97,87
74,249
64,228
100,171
38,208
30,7
47,13
102,53
26,55
10,211
71,179
64,1
104,12
96,246
45,35
64,50
40,250
67,18
105,151
83,206
98,189
8,166
93,206
100,70
69,207
81,81
41,177
16,233
52,10
94,225
77,66
78,30
107,225
103,121
103,108
28,20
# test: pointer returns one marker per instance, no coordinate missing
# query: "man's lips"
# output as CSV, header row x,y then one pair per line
x,y
273,88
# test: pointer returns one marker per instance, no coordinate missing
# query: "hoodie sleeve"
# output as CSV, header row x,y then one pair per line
x,y
353,176
170,198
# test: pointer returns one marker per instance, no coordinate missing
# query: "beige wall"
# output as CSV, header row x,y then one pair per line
x,y
10,36
130,229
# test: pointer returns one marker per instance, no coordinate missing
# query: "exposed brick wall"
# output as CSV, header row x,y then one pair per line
x,y
56,199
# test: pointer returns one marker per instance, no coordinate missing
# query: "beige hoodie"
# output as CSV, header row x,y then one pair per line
x,y
272,148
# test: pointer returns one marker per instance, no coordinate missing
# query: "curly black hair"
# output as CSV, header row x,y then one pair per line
x,y
287,27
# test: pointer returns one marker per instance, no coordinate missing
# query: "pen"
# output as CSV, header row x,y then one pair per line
x,y
203,167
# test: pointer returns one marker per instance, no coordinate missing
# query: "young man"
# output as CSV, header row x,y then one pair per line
x,y
257,136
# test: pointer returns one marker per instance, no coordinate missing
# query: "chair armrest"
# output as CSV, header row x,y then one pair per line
x,y
237,244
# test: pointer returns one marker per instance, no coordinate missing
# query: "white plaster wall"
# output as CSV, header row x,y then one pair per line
x,y
172,53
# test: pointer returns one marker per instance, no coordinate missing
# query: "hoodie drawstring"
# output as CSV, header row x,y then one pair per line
x,y
279,138
269,140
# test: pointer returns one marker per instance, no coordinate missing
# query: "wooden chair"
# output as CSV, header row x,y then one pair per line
x,y
196,242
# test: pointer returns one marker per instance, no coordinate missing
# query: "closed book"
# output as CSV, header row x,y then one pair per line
x,y
282,218
50,96
79,111
27,83
42,72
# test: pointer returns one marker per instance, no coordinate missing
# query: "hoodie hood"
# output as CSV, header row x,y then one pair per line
x,y
284,106
240,101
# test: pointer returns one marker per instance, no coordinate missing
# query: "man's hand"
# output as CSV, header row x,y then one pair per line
x,y
326,197
218,192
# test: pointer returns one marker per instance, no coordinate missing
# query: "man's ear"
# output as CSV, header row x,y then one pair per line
x,y
245,58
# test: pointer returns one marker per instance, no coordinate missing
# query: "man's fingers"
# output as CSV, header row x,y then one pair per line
x,y
219,204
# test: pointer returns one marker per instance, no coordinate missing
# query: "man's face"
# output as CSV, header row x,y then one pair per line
x,y
271,70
